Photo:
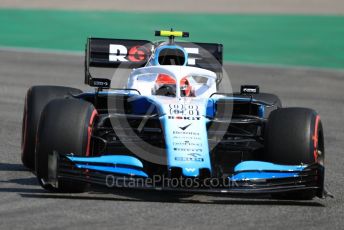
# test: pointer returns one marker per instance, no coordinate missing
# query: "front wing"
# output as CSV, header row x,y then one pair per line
x,y
118,171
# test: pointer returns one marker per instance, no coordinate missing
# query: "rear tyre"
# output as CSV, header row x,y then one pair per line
x,y
36,99
65,126
294,136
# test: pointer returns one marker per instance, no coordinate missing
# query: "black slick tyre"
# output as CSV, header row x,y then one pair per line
x,y
294,136
36,99
65,127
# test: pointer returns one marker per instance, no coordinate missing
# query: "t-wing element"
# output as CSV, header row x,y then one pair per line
x,y
168,33
171,34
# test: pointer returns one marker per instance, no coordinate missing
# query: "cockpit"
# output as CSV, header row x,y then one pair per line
x,y
167,73
173,81
166,85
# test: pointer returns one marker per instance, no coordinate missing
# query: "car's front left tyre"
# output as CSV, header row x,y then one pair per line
x,y
65,127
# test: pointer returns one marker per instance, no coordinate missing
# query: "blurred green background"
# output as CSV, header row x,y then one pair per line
x,y
295,40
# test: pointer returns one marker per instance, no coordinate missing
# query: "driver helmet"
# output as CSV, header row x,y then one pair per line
x,y
166,86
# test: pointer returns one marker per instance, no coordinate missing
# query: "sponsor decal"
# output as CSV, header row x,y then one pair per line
x,y
187,150
100,82
120,53
249,89
246,90
198,159
186,133
187,137
194,154
185,127
190,169
192,61
184,118
184,110
117,53
138,54
187,143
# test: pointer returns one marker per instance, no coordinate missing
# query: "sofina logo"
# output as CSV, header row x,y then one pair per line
x,y
185,127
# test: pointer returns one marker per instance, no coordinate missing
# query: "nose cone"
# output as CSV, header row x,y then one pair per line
x,y
185,131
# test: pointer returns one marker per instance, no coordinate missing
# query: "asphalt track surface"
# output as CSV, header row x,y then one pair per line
x,y
219,6
24,205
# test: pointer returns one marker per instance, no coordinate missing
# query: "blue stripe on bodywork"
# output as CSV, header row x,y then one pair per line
x,y
108,159
261,111
210,108
255,170
117,170
262,175
266,166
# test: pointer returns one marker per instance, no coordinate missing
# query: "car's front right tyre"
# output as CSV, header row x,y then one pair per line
x,y
294,136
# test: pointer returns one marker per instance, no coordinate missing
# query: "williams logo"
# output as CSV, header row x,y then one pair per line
x,y
185,127
190,169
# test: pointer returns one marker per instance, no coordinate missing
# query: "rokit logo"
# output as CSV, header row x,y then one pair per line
x,y
120,53
184,118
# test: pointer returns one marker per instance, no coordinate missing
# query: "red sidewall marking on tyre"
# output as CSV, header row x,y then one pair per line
x,y
89,132
315,137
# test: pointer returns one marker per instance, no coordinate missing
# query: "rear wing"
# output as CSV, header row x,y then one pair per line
x,y
115,53
129,54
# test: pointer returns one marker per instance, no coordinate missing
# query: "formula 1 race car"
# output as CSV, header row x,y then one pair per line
x,y
169,128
